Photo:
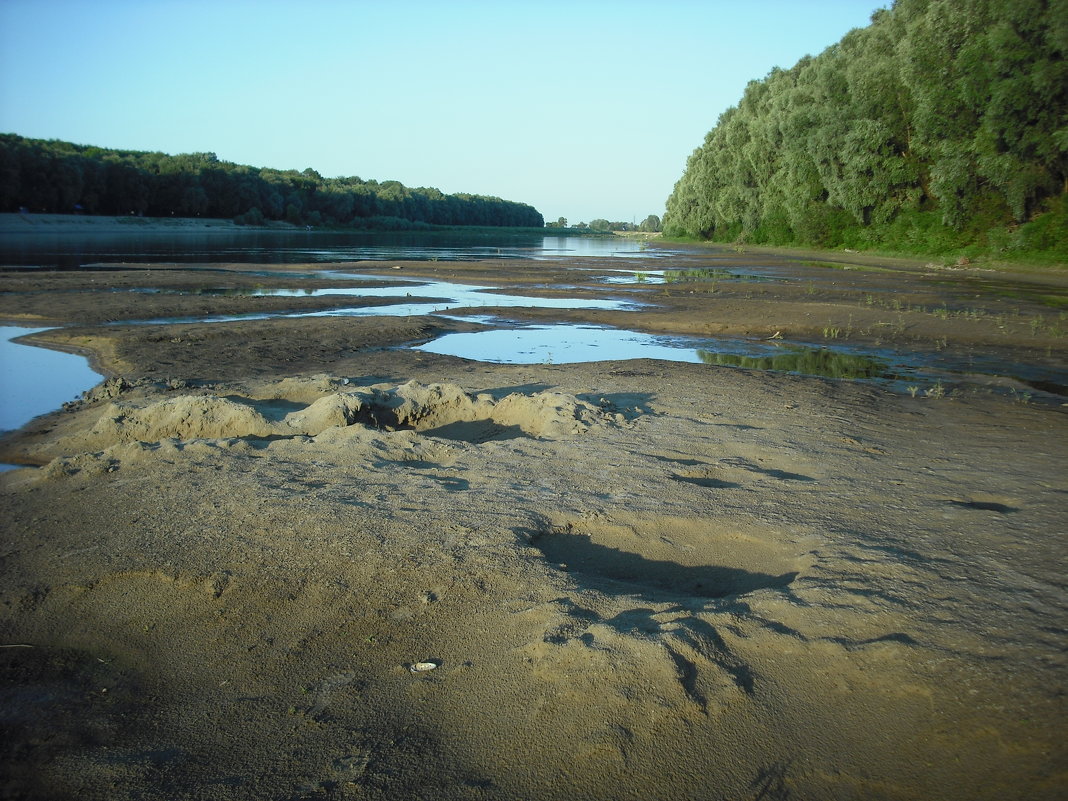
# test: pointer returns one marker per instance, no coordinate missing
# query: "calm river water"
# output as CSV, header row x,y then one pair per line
x,y
72,249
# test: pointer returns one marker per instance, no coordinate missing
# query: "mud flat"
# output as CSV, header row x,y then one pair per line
x,y
634,579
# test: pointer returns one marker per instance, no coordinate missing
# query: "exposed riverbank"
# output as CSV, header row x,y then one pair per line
x,y
637,579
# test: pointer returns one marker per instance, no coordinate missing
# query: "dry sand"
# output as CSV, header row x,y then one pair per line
x,y
636,579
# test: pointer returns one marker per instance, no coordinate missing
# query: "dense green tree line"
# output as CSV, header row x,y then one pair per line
x,y
60,177
650,224
941,126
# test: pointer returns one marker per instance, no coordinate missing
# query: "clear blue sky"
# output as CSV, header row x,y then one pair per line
x,y
582,109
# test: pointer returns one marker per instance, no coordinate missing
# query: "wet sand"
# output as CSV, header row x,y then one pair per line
x,y
636,579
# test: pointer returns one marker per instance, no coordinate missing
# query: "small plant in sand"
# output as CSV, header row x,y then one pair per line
x,y
937,391
831,332
913,389
696,275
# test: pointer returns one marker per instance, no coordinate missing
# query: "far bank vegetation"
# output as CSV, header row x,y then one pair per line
x,y
51,176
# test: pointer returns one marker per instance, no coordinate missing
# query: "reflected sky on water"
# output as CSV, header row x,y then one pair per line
x,y
557,344
440,296
570,344
73,249
37,380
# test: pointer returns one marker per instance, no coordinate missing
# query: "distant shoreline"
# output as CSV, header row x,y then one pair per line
x,y
30,223
60,223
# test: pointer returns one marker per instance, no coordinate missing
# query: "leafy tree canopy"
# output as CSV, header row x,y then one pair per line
x,y
650,224
60,177
942,126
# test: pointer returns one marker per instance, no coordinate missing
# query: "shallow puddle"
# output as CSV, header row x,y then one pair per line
x,y
900,371
557,344
569,344
427,297
37,380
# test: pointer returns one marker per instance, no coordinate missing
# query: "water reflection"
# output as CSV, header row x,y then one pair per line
x,y
37,380
557,344
704,275
569,344
570,246
711,276
73,249
426,298
821,362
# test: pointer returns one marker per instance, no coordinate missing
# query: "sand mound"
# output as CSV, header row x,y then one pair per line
x,y
183,417
549,414
334,411
443,411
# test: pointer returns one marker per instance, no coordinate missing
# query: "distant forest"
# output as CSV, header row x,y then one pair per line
x,y
941,128
60,177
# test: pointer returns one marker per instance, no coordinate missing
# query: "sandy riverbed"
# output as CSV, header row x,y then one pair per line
x,y
636,579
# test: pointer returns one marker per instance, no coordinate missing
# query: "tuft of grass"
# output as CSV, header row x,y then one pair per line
x,y
683,276
1050,327
936,391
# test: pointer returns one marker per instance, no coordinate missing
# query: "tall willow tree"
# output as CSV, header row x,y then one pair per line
x,y
942,124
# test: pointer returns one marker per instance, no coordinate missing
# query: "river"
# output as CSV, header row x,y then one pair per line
x,y
77,248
